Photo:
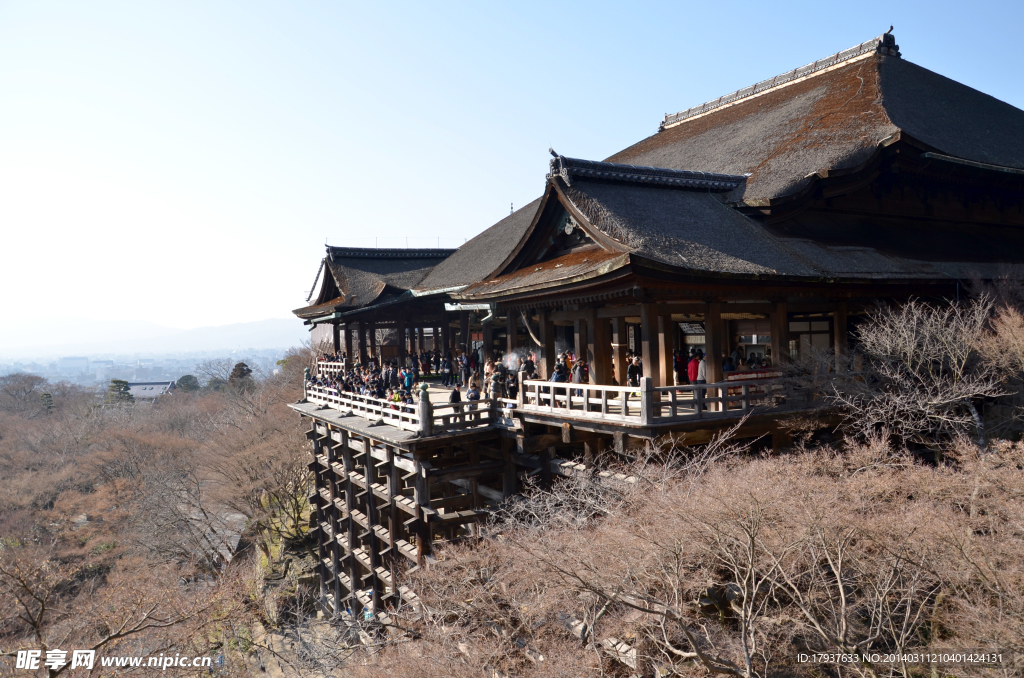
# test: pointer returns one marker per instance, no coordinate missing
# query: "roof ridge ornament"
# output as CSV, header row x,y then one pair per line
x,y
387,252
562,170
567,168
883,44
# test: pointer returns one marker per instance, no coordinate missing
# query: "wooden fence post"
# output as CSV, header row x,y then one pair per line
x,y
646,401
426,413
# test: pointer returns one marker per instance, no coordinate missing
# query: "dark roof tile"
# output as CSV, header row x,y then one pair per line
x,y
479,257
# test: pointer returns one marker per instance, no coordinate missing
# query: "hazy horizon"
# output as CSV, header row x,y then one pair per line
x,y
97,338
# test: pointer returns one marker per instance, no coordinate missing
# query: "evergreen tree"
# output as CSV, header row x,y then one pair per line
x,y
118,393
188,383
215,384
239,374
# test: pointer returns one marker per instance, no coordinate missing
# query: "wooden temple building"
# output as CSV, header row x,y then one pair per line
x,y
766,221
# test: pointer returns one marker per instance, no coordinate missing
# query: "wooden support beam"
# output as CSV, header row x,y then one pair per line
x,y
372,331
570,434
488,342
446,338
666,342
592,450
508,478
599,348
362,345
546,455
403,347
336,334
348,342
649,343
533,444
394,491
780,333
839,327
510,332
444,474
619,348
547,349
421,495
629,311
464,342
459,517
348,466
713,341
580,343
373,519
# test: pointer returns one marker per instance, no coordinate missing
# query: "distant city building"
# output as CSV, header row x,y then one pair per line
x,y
149,390
73,364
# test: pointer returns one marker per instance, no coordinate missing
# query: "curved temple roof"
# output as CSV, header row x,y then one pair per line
x,y
671,199
833,116
359,277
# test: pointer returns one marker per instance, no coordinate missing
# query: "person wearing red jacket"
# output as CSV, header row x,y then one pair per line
x,y
694,366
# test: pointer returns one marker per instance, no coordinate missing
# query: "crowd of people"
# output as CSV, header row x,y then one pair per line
x,y
470,377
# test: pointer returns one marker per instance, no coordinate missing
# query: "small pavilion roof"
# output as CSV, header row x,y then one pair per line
x,y
356,277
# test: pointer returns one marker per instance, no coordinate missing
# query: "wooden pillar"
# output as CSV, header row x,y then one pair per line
x,y
619,348
546,454
336,524
592,450
373,542
394,491
362,344
547,344
420,339
579,332
510,332
488,331
601,348
713,341
508,476
350,503
438,346
780,333
321,518
446,337
348,343
839,327
372,331
337,336
421,496
649,343
666,340
402,346
464,342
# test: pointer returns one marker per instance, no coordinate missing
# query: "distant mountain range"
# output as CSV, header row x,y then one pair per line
x,y
79,336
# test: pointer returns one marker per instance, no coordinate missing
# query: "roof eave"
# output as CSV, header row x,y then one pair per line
x,y
602,269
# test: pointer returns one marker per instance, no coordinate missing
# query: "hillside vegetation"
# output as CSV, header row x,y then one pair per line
x,y
180,527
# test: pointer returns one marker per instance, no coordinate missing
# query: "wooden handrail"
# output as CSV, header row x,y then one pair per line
x,y
645,404
459,415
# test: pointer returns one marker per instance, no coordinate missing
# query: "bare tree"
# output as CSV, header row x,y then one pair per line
x,y
923,373
20,392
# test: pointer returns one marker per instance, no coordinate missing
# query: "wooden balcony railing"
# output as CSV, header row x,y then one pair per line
x,y
647,405
329,369
424,418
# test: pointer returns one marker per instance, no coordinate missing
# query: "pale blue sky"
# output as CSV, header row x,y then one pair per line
x,y
184,162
